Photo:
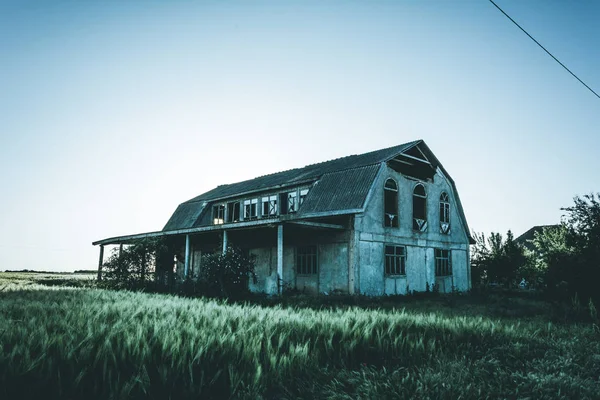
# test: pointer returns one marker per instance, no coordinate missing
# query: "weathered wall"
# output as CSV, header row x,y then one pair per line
x,y
420,260
333,270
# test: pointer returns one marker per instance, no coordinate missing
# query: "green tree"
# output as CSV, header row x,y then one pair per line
x,y
135,266
497,260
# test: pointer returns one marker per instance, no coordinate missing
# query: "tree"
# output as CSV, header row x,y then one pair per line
x,y
135,265
569,254
496,260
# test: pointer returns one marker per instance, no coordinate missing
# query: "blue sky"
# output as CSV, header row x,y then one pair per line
x,y
114,112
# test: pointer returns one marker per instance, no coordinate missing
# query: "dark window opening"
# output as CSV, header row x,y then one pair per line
x,y
395,260
306,260
233,212
390,207
443,266
419,209
283,203
218,214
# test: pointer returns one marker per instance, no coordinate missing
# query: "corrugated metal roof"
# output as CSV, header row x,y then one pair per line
x,y
184,216
342,190
330,172
307,173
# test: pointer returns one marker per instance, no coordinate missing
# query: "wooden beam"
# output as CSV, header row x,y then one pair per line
x,y
423,154
280,259
415,158
100,262
318,225
403,162
186,265
224,242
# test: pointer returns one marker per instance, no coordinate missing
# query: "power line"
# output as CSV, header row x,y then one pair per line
x,y
550,54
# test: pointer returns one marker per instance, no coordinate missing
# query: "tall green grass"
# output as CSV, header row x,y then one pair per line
x,y
89,343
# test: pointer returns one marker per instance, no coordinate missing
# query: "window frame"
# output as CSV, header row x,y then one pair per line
x,y
444,213
391,220
292,201
218,214
443,262
395,257
231,212
271,203
302,254
248,208
416,226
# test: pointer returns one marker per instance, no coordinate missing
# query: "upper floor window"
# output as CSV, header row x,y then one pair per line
x,y
443,265
233,212
303,193
250,208
218,214
444,213
306,260
395,260
269,206
390,203
419,208
292,202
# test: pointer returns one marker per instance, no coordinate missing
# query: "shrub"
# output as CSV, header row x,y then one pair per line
x,y
226,274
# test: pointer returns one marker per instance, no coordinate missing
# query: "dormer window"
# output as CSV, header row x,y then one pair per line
x,y
250,209
390,207
233,212
444,213
218,214
303,194
292,202
269,206
419,208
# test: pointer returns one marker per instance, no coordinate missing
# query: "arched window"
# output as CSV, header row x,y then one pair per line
x,y
444,213
390,207
419,208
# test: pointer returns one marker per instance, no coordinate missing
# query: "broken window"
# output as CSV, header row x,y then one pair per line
x,y
443,266
444,213
306,260
283,203
395,260
250,209
269,206
390,206
419,208
218,214
292,202
303,194
233,212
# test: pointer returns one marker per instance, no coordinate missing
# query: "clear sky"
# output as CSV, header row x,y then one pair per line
x,y
114,112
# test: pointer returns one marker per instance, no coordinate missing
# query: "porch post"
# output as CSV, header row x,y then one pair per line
x,y
186,264
100,262
279,258
224,241
120,249
352,258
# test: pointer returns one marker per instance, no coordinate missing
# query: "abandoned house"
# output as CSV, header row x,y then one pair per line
x,y
381,223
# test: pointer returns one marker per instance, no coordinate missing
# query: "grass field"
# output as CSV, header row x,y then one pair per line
x,y
71,342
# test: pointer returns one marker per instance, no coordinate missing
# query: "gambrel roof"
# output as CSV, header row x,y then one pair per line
x,y
339,186
343,184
